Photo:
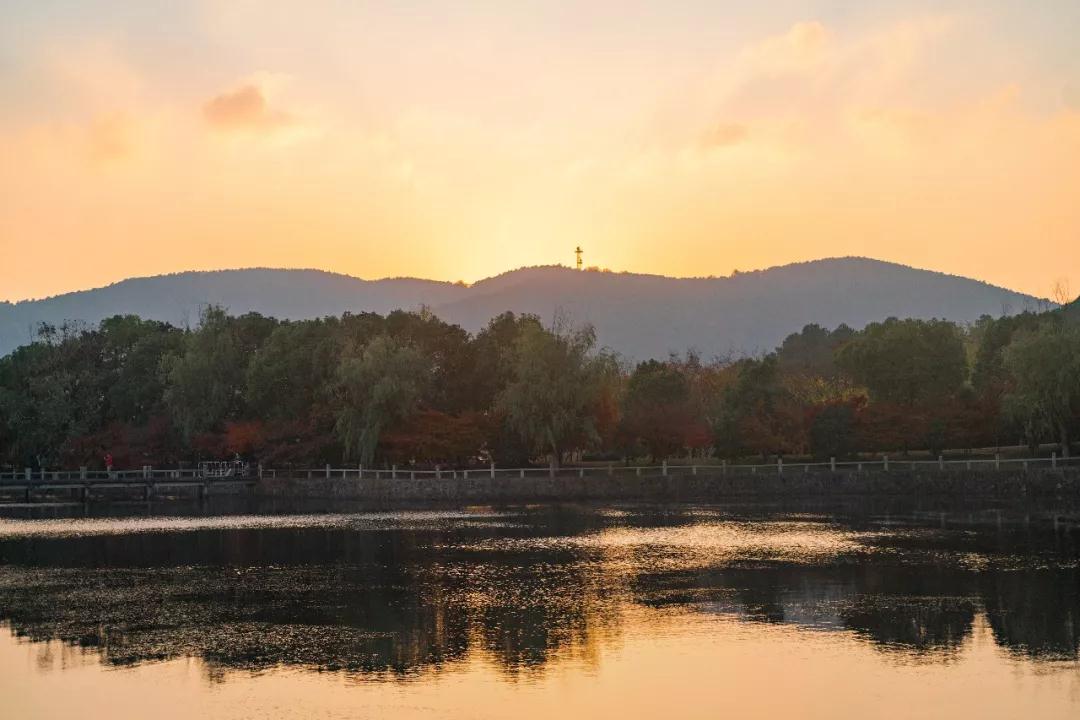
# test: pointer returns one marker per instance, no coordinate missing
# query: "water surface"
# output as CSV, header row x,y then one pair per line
x,y
534,612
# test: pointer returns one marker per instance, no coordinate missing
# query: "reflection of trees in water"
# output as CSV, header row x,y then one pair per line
x,y
913,608
925,608
925,624
251,619
379,601
1035,612
531,612
402,601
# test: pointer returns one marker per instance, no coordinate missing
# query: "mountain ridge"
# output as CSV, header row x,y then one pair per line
x,y
637,314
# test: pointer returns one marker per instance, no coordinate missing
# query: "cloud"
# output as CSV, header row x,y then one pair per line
x,y
244,110
802,86
724,135
802,49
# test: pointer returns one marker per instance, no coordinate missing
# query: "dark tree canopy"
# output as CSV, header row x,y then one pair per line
x,y
812,351
907,362
658,410
409,388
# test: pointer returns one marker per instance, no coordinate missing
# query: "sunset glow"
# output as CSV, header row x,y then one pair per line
x,y
455,141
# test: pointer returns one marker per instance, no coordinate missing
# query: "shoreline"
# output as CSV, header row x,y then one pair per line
x,y
1003,485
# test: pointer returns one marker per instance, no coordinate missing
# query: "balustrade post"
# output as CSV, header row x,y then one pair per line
x,y
885,460
663,468
493,470
779,466
832,464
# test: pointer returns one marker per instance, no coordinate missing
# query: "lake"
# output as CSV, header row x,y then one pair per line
x,y
696,611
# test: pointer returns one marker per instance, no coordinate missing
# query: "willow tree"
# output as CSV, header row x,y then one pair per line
x,y
1045,366
381,384
556,384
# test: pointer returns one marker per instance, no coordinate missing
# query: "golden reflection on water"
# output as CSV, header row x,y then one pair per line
x,y
674,665
81,527
488,615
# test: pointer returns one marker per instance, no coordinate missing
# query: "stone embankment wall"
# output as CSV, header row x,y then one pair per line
x,y
1003,484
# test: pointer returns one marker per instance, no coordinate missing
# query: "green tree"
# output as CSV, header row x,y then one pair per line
x,y
553,394
292,375
449,354
377,387
658,411
990,378
494,353
494,356
758,413
50,391
906,362
131,352
812,351
35,416
205,381
1045,365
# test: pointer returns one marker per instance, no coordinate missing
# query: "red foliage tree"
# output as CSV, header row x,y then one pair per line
x,y
431,437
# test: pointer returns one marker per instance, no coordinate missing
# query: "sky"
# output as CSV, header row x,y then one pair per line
x,y
457,140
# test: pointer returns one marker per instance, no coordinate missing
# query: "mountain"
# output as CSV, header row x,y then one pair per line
x,y
637,315
178,298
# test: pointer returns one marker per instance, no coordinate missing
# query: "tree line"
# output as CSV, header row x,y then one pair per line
x,y
410,389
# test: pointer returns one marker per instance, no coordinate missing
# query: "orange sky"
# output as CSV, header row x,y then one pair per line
x,y
456,141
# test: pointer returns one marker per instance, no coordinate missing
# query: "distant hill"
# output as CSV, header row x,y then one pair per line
x,y
178,298
639,316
